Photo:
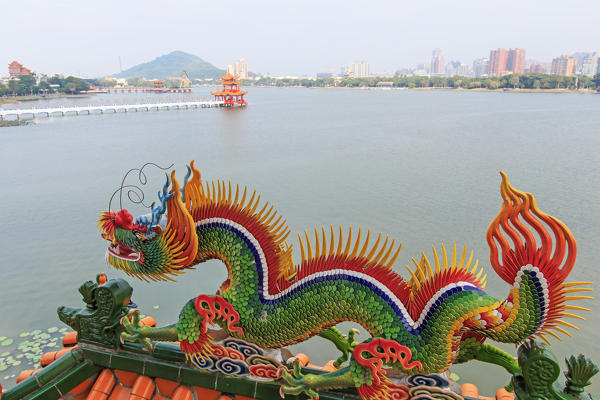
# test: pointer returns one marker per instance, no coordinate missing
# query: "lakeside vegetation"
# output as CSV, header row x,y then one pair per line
x,y
134,82
26,88
531,81
8,123
26,85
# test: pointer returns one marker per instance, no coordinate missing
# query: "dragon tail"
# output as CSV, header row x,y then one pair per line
x,y
537,301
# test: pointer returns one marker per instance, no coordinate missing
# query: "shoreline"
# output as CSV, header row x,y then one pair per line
x,y
449,89
19,99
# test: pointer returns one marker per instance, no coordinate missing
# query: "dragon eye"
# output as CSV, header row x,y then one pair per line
x,y
139,235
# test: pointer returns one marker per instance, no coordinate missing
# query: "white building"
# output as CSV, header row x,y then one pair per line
x,y
421,70
456,68
241,69
438,64
480,67
590,65
463,70
359,69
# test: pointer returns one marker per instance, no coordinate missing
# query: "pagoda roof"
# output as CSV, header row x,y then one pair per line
x,y
229,79
229,93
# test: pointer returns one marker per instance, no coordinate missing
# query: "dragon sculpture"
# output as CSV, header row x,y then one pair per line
x,y
439,317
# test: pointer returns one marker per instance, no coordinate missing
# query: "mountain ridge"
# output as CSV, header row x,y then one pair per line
x,y
171,65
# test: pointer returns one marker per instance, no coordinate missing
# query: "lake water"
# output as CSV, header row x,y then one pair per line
x,y
421,166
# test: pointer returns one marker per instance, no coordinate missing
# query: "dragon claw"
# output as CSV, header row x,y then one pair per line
x,y
297,369
347,347
133,330
297,382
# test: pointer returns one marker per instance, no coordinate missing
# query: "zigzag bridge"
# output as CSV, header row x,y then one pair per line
x,y
114,108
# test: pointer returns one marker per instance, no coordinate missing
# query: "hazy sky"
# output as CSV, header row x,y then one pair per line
x,y
287,37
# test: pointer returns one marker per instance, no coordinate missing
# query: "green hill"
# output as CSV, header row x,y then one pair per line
x,y
171,65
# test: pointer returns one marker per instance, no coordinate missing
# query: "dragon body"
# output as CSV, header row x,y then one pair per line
x,y
440,316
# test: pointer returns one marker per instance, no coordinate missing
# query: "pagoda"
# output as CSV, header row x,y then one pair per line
x,y
230,93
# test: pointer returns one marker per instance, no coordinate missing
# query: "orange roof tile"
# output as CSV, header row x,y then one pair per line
x,y
83,387
143,388
126,378
503,394
70,339
47,358
26,374
202,393
122,393
166,386
184,393
103,385
96,395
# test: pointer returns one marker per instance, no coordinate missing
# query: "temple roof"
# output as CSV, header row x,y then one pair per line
x,y
229,93
95,365
229,79
81,372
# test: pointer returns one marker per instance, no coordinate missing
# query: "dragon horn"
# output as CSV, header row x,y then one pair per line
x,y
180,234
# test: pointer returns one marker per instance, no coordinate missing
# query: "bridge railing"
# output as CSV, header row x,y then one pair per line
x,y
108,107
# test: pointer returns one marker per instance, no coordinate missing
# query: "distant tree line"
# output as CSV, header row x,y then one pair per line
x,y
26,85
134,82
514,81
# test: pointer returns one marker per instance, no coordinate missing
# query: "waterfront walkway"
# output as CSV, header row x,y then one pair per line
x,y
115,108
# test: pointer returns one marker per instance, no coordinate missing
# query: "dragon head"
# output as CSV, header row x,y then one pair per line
x,y
153,246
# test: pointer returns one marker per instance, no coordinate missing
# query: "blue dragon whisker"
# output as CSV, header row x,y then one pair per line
x,y
185,181
157,211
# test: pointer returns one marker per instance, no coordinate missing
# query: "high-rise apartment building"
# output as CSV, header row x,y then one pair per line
x,y
241,69
421,70
516,61
504,62
480,67
438,64
564,65
359,69
456,68
497,63
463,70
580,57
590,65
539,68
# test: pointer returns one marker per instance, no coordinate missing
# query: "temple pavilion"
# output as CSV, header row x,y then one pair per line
x,y
230,93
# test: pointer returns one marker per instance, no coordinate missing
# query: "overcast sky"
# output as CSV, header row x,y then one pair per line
x,y
287,37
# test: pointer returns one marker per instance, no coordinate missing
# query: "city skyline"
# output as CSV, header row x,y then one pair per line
x,y
295,39
499,62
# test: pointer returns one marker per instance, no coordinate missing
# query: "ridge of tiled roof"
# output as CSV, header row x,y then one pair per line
x,y
95,365
94,373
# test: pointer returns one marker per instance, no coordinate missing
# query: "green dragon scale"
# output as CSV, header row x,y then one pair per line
x,y
439,317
